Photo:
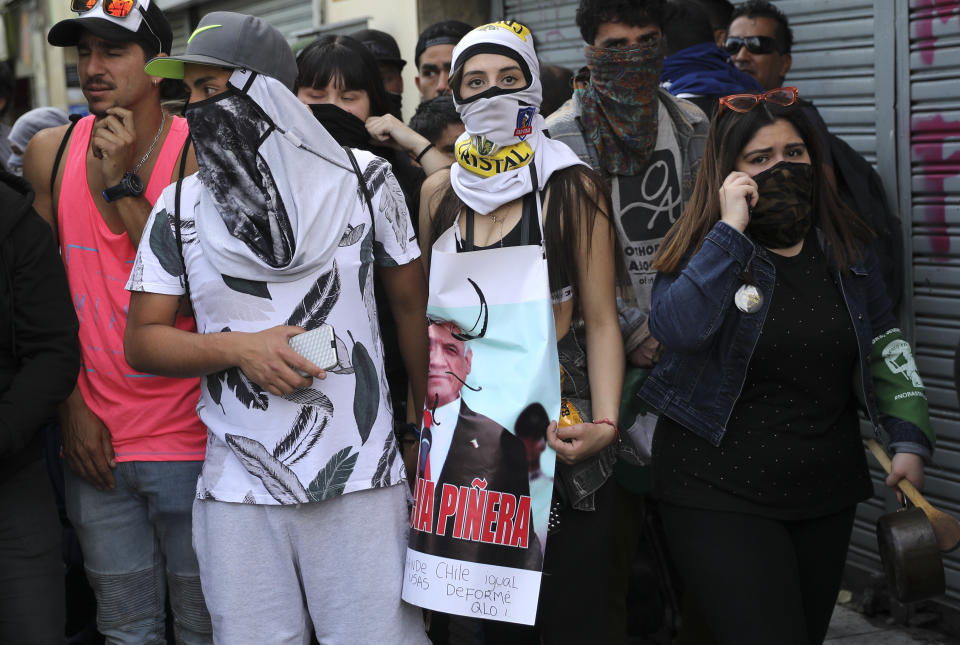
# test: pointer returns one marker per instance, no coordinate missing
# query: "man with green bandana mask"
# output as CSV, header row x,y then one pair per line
x,y
647,144
644,141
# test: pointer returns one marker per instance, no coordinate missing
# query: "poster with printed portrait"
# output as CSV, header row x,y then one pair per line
x,y
485,473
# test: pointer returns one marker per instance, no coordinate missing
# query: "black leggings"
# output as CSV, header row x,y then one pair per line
x,y
759,580
31,568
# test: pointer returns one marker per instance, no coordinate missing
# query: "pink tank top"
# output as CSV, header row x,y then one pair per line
x,y
151,418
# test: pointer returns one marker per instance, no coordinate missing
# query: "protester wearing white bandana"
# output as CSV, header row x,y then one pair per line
x,y
513,186
504,128
276,237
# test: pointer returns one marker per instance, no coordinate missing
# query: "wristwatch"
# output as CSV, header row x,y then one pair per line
x,y
129,186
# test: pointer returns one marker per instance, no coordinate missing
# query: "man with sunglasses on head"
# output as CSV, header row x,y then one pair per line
x,y
133,442
647,144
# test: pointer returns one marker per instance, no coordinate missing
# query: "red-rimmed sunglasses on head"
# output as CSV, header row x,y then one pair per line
x,y
115,8
783,96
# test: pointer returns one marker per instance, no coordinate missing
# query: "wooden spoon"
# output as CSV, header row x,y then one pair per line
x,y
946,528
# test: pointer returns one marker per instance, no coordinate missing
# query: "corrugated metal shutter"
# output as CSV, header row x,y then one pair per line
x,y
553,23
837,65
933,197
288,16
181,27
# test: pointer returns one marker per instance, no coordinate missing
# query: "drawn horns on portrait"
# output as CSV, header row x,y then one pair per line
x,y
483,315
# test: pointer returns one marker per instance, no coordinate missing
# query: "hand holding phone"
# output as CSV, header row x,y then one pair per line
x,y
319,346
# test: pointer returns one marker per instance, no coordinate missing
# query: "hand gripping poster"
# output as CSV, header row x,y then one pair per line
x,y
485,474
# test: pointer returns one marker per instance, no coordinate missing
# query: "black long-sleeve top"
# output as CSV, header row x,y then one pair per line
x,y
39,354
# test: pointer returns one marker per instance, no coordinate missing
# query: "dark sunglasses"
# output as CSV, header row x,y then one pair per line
x,y
745,102
115,8
754,44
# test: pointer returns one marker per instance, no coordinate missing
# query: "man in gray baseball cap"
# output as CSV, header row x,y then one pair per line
x,y
236,41
272,241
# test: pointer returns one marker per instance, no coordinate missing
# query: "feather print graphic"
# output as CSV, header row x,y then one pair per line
x,y
352,235
332,479
188,231
249,498
305,418
344,364
366,399
136,277
307,442
246,391
215,388
370,304
311,397
318,301
164,244
251,287
394,207
381,476
373,176
278,479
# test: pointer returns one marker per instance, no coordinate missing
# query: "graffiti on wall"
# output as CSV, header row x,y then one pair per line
x,y
935,138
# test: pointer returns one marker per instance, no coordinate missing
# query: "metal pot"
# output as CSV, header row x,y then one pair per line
x,y
910,554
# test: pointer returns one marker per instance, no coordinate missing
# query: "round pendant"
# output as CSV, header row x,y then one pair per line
x,y
748,299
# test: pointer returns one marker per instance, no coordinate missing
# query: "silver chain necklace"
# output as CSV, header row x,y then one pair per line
x,y
143,160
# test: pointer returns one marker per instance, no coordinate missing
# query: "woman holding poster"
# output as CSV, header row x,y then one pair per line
x,y
513,234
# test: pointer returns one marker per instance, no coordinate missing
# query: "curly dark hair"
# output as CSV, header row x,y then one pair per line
x,y
764,9
635,13
433,116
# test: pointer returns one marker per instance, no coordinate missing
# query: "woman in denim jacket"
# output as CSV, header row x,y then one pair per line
x,y
774,322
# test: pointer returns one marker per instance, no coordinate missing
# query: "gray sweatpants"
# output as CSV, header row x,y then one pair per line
x,y
267,571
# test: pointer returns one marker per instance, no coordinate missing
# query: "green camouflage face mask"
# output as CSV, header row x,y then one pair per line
x,y
782,215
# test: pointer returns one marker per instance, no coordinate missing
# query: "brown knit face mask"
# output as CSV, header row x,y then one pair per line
x,y
783,213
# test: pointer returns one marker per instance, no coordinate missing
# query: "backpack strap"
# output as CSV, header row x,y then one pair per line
x,y
63,146
176,213
363,184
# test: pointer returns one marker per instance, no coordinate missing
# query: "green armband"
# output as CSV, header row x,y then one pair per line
x,y
896,382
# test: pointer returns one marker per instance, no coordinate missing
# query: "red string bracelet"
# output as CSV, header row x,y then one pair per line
x,y
616,430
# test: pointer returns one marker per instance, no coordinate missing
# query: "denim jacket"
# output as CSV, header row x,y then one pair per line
x,y
708,342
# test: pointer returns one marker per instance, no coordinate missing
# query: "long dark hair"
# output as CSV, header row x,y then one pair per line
x,y
346,61
577,196
729,132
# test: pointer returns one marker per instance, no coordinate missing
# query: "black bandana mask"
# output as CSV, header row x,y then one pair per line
x,y
343,126
782,215
395,104
227,131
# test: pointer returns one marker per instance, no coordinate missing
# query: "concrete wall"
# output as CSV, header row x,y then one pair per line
x,y
472,12
396,17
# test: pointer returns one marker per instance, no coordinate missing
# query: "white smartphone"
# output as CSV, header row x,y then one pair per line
x,y
319,346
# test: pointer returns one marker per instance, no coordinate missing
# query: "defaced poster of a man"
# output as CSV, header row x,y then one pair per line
x,y
462,454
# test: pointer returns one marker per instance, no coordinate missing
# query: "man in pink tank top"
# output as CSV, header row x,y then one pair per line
x,y
133,441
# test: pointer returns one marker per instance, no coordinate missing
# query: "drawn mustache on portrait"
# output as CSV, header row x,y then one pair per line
x,y
436,397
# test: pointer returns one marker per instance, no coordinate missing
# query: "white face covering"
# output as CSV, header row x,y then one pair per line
x,y
504,128
278,189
